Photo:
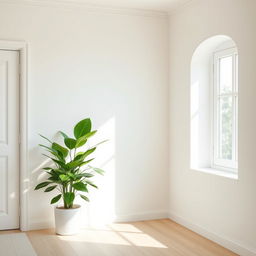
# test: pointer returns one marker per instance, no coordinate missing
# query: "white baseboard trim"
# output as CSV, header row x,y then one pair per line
x,y
152,215
41,225
231,245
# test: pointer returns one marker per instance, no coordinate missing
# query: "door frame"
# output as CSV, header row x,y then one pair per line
x,y
24,180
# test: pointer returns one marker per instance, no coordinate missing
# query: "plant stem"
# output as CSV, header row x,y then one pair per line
x,y
64,191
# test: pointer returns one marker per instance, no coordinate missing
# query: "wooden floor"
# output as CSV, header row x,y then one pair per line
x,y
156,237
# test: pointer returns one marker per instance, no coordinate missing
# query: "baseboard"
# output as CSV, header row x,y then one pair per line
x,y
151,215
46,224
231,245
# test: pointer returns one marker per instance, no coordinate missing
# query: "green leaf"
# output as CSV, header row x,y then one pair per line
x,y
86,162
57,154
71,175
60,149
85,198
70,143
64,177
60,163
78,154
80,186
58,171
76,163
50,149
87,175
41,185
82,128
88,152
90,134
47,168
73,164
69,197
82,140
54,152
63,134
98,170
90,183
56,199
55,179
45,138
50,188
84,155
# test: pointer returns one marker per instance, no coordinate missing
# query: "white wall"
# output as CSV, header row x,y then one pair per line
x,y
112,67
220,208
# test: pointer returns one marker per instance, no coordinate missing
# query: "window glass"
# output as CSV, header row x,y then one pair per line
x,y
226,74
225,108
225,128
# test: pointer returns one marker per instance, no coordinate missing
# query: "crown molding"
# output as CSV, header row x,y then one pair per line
x,y
78,5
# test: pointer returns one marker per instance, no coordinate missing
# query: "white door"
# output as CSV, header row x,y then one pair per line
x,y
9,139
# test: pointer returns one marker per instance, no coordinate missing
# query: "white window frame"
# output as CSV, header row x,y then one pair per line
x,y
217,162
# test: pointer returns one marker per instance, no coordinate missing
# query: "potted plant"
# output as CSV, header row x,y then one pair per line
x,y
70,175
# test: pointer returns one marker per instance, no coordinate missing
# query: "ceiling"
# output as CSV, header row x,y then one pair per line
x,y
157,5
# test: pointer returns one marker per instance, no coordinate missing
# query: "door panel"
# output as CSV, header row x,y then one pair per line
x,y
3,101
9,139
3,186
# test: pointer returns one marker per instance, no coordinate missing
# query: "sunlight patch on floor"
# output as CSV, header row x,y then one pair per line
x,y
142,240
124,227
102,237
115,234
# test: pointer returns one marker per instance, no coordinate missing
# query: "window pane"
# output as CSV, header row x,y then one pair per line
x,y
226,75
225,127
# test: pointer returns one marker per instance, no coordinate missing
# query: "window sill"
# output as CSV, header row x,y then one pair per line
x,y
217,172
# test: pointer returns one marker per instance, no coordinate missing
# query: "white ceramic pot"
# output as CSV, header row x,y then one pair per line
x,y
67,221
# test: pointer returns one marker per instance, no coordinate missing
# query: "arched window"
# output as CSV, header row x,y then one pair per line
x,y
214,105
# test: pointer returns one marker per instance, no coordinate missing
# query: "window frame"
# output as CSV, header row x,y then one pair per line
x,y
217,162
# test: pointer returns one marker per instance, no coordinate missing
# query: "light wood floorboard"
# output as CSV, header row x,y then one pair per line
x,y
144,238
